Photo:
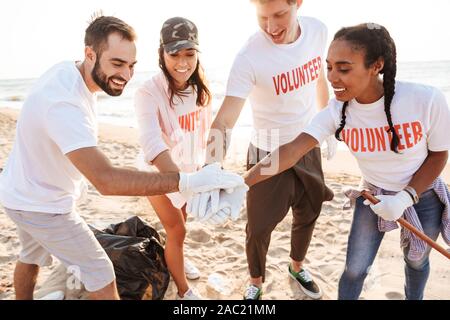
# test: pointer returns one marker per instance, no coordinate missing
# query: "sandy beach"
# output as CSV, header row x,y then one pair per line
x,y
219,252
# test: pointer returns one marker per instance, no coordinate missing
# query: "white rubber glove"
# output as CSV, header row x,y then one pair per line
x,y
391,208
229,203
235,200
198,203
201,205
208,178
330,148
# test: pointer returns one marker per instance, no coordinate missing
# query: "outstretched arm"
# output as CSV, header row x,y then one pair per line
x,y
165,163
226,118
281,159
110,180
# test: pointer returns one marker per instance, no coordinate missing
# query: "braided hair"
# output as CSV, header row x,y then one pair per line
x,y
377,43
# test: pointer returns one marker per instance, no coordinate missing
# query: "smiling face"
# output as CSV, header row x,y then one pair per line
x,y
181,65
350,77
114,67
278,19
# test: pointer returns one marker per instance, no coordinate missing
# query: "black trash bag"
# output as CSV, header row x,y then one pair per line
x,y
138,258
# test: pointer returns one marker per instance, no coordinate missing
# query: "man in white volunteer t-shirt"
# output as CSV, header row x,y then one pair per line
x,y
56,145
280,70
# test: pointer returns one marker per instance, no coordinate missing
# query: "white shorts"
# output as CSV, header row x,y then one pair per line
x,y
68,238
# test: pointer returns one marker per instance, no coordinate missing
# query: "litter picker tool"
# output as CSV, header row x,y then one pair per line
x,y
410,227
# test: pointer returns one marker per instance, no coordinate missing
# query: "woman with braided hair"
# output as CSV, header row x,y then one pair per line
x,y
397,132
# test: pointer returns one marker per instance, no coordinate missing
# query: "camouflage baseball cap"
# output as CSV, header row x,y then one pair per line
x,y
177,34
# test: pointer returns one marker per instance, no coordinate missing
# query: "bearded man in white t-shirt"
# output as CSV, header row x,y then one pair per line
x,y
56,145
280,70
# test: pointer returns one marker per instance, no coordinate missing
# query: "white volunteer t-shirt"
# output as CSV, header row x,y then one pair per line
x,y
420,115
181,128
280,81
58,116
194,121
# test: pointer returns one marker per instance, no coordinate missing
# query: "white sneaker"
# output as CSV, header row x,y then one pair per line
x,y
190,295
191,271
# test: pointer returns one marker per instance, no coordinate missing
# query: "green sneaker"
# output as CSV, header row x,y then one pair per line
x,y
306,283
252,293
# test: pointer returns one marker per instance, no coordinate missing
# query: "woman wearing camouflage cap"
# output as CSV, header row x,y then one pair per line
x,y
174,113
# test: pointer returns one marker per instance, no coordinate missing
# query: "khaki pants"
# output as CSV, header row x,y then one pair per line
x,y
68,238
301,188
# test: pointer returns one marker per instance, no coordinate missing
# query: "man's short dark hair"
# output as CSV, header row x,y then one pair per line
x,y
101,27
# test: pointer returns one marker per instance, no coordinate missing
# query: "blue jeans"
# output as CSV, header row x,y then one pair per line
x,y
365,239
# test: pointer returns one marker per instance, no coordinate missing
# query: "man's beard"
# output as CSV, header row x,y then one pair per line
x,y
102,80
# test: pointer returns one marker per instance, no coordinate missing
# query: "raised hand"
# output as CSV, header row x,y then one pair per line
x,y
198,204
229,206
208,178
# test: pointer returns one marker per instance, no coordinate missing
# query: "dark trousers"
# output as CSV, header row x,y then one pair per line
x,y
301,188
